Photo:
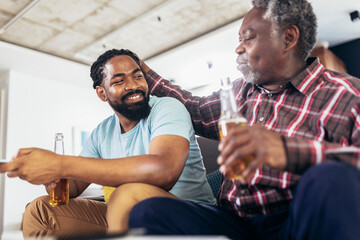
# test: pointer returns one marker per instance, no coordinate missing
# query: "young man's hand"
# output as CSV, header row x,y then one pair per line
x,y
37,166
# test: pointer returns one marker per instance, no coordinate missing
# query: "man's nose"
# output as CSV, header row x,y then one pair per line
x,y
131,84
240,48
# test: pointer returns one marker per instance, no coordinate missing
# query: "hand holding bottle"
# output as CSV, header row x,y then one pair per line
x,y
245,148
230,118
266,147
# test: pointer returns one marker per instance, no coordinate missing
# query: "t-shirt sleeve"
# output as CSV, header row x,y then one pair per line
x,y
170,117
90,148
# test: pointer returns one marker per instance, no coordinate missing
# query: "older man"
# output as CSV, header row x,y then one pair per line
x,y
147,148
303,135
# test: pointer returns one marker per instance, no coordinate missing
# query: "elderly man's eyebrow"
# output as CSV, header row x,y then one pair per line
x,y
123,74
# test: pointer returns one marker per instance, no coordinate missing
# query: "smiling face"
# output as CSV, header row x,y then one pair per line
x,y
260,50
124,88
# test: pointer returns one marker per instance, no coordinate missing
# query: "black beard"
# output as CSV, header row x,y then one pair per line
x,y
134,111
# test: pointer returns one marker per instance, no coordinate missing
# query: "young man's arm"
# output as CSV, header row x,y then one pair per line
x,y
161,167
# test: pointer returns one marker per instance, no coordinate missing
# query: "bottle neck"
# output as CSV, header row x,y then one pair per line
x,y
228,103
59,143
229,110
59,147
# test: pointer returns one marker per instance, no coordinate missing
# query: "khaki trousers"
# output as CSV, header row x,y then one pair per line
x,y
82,217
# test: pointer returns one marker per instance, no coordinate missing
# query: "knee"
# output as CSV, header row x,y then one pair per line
x,y
148,212
125,193
325,194
35,207
330,174
327,179
34,215
121,201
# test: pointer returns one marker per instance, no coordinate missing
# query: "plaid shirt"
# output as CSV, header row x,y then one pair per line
x,y
317,113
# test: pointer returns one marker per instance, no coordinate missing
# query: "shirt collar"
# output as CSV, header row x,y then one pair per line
x,y
307,80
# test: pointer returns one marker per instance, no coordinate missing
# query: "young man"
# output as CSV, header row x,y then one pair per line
x,y
147,148
303,135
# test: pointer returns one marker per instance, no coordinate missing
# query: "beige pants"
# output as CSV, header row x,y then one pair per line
x,y
82,217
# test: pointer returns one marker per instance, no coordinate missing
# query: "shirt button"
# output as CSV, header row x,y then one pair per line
x,y
261,119
270,95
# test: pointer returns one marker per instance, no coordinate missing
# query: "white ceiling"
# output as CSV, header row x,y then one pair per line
x,y
81,30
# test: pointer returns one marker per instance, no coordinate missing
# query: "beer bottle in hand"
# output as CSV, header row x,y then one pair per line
x,y
60,194
229,118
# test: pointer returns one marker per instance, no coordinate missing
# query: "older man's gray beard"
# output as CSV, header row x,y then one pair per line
x,y
250,76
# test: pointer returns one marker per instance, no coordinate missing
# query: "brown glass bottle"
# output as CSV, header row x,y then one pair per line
x,y
60,194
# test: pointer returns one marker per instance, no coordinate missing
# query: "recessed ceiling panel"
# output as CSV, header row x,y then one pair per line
x,y
28,34
168,25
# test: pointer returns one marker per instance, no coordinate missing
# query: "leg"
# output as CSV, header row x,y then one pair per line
x,y
326,204
124,198
79,217
165,216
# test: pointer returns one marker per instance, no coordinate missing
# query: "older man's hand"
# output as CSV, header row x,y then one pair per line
x,y
246,148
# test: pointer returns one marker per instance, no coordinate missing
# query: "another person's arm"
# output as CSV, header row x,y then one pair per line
x,y
204,111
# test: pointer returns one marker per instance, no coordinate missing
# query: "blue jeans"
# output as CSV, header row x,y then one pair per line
x,y
326,205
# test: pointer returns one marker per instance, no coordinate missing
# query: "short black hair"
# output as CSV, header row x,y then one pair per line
x,y
97,68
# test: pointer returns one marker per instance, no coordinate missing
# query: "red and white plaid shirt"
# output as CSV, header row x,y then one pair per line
x,y
317,112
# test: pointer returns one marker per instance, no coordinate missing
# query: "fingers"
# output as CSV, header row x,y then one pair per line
x,y
52,184
250,170
8,167
245,149
233,132
241,153
13,174
234,154
22,152
237,138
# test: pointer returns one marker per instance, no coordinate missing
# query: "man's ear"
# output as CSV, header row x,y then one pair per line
x,y
100,91
291,37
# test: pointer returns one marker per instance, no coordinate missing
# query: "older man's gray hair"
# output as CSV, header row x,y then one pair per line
x,y
284,13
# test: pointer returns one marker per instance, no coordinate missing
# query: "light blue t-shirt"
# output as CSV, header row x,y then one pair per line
x,y
167,117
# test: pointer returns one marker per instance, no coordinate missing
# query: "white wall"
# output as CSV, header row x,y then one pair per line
x,y
46,97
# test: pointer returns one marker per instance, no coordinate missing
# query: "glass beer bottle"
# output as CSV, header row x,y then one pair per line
x,y
60,194
229,118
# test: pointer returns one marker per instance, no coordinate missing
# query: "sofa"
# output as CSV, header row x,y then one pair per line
x,y
210,152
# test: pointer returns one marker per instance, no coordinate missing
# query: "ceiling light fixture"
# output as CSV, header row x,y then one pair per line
x,y
18,16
